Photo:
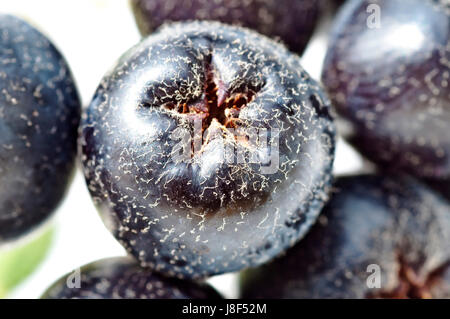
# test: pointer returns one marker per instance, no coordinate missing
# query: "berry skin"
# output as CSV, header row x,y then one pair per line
x,y
208,213
123,278
39,116
394,225
292,21
391,84
440,186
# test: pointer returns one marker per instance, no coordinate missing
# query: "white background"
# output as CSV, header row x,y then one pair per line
x,y
92,34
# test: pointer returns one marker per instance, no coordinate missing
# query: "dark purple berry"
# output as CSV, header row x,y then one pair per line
x,y
292,21
387,71
39,116
378,237
208,149
123,278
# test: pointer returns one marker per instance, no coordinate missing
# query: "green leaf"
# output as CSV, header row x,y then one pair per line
x,y
17,263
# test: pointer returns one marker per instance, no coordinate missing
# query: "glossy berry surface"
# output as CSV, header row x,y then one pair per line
x,y
440,186
390,82
292,21
257,139
39,116
123,278
378,237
